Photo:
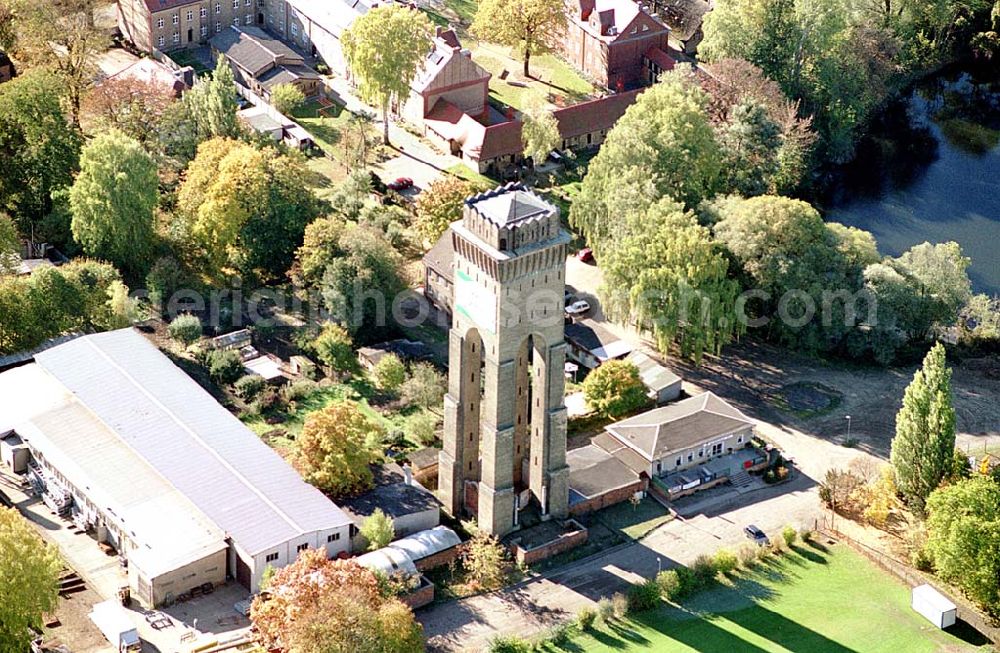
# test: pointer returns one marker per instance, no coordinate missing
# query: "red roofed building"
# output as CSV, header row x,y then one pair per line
x,y
587,124
608,40
450,74
490,149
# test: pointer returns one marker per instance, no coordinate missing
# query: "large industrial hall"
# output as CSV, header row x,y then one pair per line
x,y
114,436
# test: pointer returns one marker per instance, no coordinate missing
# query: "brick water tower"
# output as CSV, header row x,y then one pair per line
x,y
505,422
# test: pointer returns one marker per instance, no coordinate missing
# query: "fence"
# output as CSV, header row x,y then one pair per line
x,y
913,577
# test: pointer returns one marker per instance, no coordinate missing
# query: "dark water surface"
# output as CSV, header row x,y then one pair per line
x,y
930,171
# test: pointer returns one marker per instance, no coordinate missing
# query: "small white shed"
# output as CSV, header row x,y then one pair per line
x,y
934,606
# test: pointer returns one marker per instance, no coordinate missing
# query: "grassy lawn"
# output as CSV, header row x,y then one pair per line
x,y
186,58
550,76
812,599
463,171
325,128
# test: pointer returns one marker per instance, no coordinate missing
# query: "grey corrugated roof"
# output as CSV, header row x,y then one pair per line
x,y
655,376
195,443
253,49
679,426
593,471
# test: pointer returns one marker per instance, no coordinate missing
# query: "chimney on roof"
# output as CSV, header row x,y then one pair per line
x,y
186,75
437,30
467,53
407,474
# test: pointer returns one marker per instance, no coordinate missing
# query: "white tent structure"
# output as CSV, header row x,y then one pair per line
x,y
389,561
426,543
933,606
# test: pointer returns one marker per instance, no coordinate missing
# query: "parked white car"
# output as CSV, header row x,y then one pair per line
x,y
577,308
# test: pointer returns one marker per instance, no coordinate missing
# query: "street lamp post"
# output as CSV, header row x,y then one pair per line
x,y
848,417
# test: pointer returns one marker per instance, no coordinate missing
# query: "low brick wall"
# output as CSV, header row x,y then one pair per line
x,y
608,498
421,596
568,540
439,559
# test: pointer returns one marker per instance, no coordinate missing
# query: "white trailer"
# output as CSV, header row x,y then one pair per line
x,y
933,605
114,622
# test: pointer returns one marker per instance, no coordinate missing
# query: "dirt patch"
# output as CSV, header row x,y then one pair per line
x,y
73,627
752,373
807,399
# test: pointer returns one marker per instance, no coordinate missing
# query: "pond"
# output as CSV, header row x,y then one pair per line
x,y
930,171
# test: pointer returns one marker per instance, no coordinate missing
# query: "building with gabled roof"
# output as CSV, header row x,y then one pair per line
x,y
152,426
608,40
261,62
685,434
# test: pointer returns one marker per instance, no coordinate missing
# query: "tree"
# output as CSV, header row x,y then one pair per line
x,y
29,580
244,208
529,26
333,451
132,106
317,605
212,104
384,49
113,199
425,387
286,98
663,272
61,37
356,140
320,245
540,133
664,146
941,270
925,431
615,389
186,329
358,288
485,561
10,246
963,525
378,529
440,205
790,255
53,301
39,149
389,373
751,143
334,348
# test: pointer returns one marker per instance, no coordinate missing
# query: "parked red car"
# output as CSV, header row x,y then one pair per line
x,y
401,184
586,255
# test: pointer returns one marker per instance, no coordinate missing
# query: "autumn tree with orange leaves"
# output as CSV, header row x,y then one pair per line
x,y
317,605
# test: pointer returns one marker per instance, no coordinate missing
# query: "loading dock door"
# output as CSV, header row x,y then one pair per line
x,y
242,573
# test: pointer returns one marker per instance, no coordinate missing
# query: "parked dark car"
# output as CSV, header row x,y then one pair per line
x,y
756,535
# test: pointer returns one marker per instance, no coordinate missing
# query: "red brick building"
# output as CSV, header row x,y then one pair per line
x,y
608,40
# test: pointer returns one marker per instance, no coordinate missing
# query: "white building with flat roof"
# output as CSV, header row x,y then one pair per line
x,y
127,443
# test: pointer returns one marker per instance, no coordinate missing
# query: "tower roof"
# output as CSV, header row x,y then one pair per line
x,y
510,205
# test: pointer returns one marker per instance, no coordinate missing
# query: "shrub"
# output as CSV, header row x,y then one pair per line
x,y
725,561
777,546
185,329
605,610
299,389
389,373
644,596
334,348
747,553
669,584
619,605
789,534
703,568
268,401
921,559
763,552
585,618
249,386
806,535
688,580
558,635
510,644
224,366
423,428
